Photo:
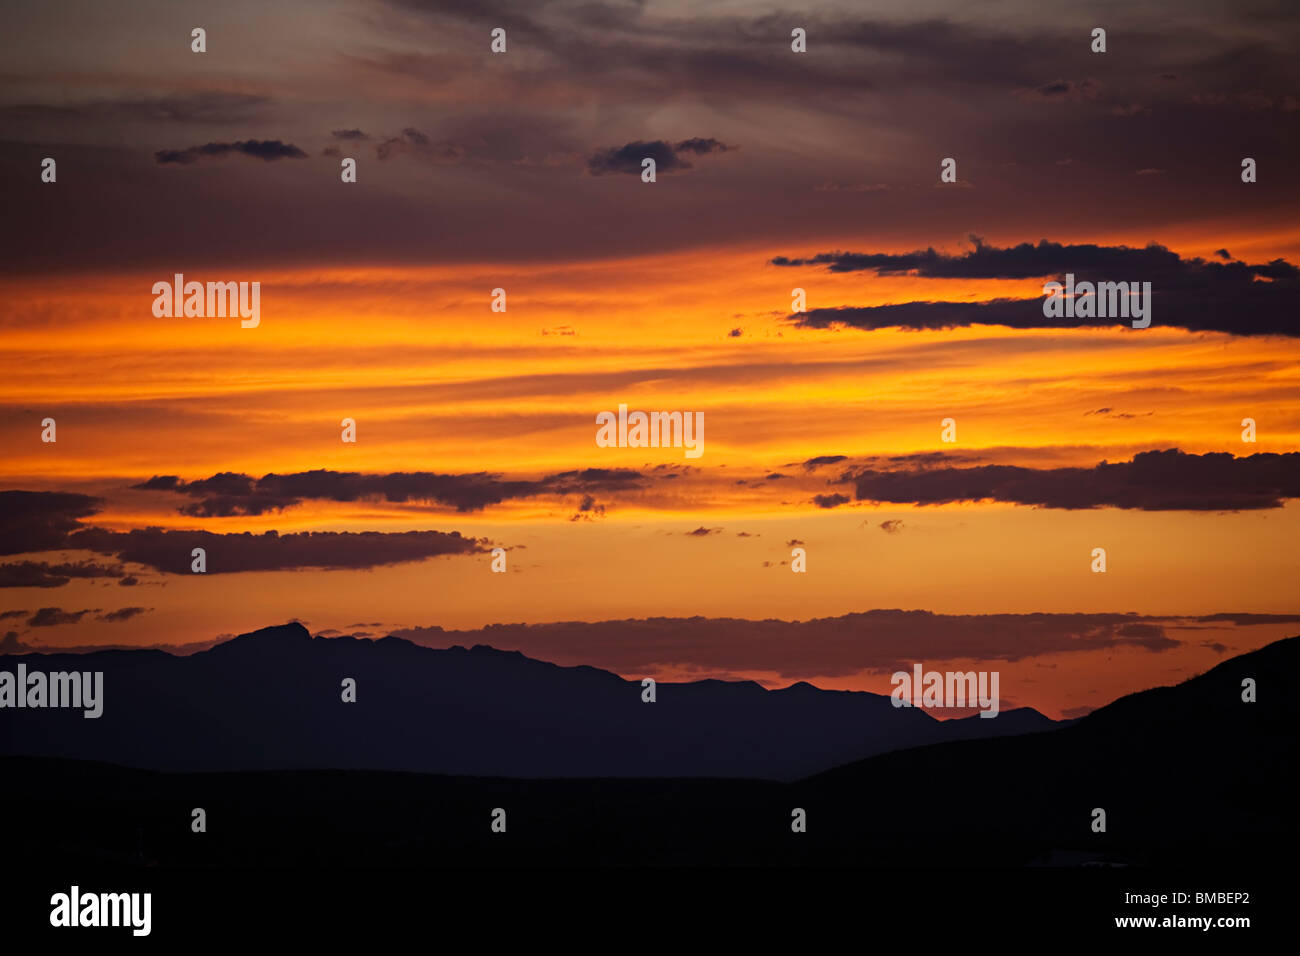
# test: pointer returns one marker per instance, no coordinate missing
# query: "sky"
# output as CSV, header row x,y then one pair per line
x,y
823,427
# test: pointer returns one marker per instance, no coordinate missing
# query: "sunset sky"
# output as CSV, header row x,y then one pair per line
x,y
776,171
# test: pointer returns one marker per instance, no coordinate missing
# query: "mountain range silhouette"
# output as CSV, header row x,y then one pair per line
x,y
271,700
1189,775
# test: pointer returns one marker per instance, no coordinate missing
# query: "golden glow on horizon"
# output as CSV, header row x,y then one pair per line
x,y
439,383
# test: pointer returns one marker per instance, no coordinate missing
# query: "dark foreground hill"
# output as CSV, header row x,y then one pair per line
x,y
1188,773
272,700
1188,776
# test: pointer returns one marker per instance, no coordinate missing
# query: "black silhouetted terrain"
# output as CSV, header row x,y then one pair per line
x,y
1187,775
271,700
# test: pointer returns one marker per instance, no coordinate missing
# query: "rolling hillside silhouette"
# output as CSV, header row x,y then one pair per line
x,y
1186,774
270,700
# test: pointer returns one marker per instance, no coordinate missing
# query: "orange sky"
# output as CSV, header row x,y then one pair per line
x,y
521,172
437,382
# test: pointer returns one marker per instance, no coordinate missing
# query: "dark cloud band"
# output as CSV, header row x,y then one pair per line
x,y
170,551
1170,480
268,149
1193,294
228,493
668,157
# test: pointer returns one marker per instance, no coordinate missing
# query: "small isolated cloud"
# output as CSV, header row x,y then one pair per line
x,y
668,157
51,616
820,460
264,149
122,614
703,532
831,501
42,574
1063,90
892,526
1109,412
348,134
588,509
412,142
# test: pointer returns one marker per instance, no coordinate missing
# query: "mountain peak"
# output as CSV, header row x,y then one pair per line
x,y
801,687
280,635
293,630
